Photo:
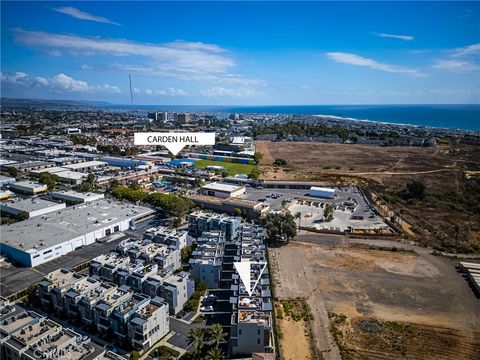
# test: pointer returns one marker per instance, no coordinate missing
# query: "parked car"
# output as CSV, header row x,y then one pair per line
x,y
208,308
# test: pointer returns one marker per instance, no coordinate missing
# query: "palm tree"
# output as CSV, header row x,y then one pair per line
x,y
215,354
196,336
298,216
216,334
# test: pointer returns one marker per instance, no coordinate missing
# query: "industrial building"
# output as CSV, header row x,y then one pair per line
x,y
321,192
6,180
87,166
75,197
223,190
123,162
31,207
28,187
37,240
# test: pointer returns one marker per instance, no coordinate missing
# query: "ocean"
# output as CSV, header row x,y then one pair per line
x,y
464,117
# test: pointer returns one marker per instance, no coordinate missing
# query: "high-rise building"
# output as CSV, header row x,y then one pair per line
x,y
181,118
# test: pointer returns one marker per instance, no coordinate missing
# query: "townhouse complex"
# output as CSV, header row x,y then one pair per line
x,y
27,335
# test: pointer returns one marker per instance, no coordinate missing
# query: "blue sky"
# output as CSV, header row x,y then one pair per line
x,y
243,52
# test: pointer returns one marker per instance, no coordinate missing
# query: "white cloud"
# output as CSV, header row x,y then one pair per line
x,y
82,15
462,59
59,82
171,91
455,65
218,91
394,36
179,59
42,80
470,50
353,59
67,83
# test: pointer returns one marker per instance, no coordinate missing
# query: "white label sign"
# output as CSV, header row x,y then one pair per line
x,y
174,141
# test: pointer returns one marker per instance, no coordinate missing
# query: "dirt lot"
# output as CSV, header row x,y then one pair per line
x,y
418,289
449,172
309,160
294,335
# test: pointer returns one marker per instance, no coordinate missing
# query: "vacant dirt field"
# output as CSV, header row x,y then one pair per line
x,y
417,289
309,160
295,336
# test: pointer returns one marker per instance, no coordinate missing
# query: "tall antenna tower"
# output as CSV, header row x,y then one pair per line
x,y
131,100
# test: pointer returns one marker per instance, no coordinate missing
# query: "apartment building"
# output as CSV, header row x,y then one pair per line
x,y
26,335
142,321
200,221
105,307
206,261
54,286
176,290
251,327
167,236
149,324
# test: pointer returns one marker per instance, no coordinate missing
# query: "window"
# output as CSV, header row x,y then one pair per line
x,y
258,341
239,331
47,252
116,228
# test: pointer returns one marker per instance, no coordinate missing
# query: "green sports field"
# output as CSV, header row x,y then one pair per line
x,y
232,168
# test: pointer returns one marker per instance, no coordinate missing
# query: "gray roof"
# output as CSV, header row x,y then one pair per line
x,y
30,205
67,224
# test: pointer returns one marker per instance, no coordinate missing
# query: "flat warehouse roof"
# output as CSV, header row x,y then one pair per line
x,y
87,196
222,187
86,164
30,205
64,225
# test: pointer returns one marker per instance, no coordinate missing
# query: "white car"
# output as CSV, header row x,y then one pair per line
x,y
206,308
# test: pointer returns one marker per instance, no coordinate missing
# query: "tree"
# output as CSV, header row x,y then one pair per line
x,y
257,157
31,296
134,355
91,178
280,162
254,173
196,336
413,190
215,354
280,227
216,334
416,190
49,180
237,212
13,172
328,212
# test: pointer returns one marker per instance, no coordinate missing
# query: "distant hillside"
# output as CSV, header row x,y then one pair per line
x,y
11,103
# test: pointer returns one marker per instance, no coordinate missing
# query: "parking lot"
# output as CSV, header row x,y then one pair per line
x,y
312,208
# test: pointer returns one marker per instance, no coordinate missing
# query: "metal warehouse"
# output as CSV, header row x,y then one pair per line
x,y
223,190
33,207
321,192
35,241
